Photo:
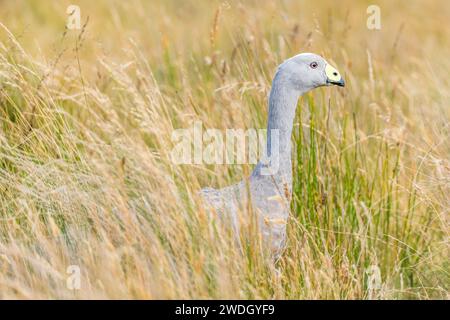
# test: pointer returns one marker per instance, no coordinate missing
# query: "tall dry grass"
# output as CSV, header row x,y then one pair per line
x,y
86,118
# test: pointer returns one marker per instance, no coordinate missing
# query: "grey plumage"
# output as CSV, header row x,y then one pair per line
x,y
270,184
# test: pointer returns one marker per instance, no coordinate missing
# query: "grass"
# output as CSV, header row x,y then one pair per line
x,y
86,118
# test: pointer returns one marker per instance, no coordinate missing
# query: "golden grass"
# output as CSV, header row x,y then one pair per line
x,y
86,118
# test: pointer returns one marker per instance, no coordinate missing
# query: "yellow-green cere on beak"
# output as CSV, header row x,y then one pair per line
x,y
333,76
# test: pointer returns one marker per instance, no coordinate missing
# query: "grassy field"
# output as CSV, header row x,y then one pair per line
x,y
86,118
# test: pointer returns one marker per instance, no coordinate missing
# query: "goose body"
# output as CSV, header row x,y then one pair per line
x,y
269,187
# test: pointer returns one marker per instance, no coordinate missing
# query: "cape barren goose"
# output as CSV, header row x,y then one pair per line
x,y
270,185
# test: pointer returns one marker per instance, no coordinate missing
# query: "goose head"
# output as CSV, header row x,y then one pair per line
x,y
307,71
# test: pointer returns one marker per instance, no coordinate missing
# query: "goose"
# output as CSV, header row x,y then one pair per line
x,y
269,186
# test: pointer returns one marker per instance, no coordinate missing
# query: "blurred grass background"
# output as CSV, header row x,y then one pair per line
x,y
86,118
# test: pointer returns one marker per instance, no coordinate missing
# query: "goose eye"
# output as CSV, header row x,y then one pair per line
x,y
313,65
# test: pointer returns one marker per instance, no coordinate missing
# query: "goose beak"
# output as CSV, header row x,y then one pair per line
x,y
340,83
333,76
